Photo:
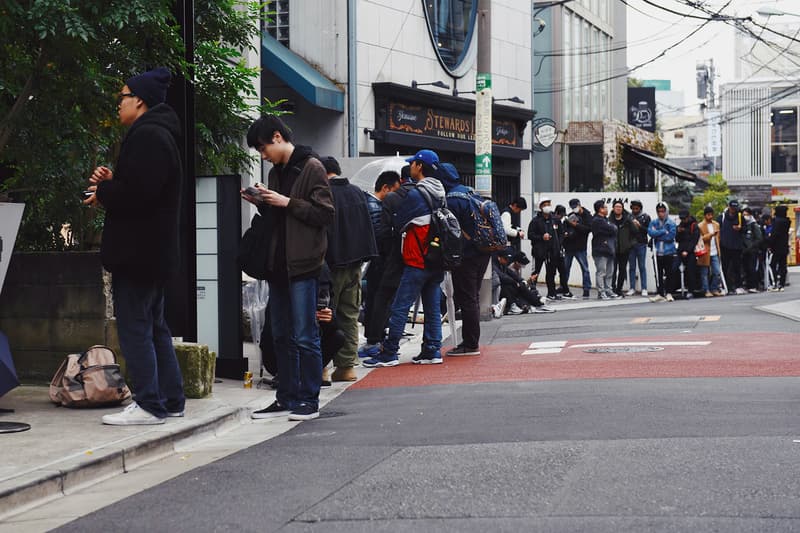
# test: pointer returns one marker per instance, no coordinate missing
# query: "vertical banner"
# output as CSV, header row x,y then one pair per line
x,y
10,217
642,108
483,134
714,133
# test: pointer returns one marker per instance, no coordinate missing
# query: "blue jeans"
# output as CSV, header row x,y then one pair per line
x,y
715,275
295,334
413,283
146,343
638,254
580,256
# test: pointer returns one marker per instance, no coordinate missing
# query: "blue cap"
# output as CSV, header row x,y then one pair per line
x,y
429,157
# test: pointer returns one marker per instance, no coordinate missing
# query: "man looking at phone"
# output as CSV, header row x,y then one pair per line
x,y
140,244
299,195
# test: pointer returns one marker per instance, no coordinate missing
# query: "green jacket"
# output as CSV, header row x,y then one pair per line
x,y
626,235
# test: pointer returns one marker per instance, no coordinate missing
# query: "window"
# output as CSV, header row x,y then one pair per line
x,y
451,24
783,138
566,66
275,20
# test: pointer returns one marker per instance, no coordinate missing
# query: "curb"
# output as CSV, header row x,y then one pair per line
x,y
40,486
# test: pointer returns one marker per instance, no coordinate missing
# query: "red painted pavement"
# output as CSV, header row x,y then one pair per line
x,y
746,354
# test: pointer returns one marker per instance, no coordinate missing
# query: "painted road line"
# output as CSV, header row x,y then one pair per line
x,y
673,319
653,343
547,344
542,351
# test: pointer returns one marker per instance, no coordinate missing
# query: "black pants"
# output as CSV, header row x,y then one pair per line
x,y
550,267
779,266
373,278
520,296
665,274
620,271
467,279
732,267
750,263
690,279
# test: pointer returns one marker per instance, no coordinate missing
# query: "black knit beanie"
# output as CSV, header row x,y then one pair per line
x,y
151,86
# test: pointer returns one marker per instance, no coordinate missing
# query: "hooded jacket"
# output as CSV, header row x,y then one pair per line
x,y
604,236
142,201
729,237
687,237
779,240
663,234
413,217
751,237
626,232
576,237
300,240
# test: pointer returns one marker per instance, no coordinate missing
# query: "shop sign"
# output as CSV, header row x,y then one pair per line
x,y
444,124
544,134
642,108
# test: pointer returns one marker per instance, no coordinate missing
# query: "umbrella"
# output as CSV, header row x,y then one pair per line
x,y
8,374
366,176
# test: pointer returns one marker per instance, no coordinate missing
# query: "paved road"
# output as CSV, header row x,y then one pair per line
x,y
703,435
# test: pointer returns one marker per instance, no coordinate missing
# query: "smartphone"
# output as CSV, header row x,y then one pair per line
x,y
253,191
86,194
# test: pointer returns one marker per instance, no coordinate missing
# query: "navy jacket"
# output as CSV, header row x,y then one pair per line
x,y
604,237
351,238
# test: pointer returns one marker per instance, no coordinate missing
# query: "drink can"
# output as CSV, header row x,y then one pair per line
x,y
248,380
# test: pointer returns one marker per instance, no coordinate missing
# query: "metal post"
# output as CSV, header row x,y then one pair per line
x,y
352,80
483,131
181,292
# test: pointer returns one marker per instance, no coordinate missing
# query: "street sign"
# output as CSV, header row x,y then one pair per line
x,y
483,134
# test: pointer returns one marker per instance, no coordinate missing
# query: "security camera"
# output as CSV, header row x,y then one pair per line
x,y
542,25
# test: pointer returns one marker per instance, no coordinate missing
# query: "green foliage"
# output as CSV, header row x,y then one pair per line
x,y
716,195
635,82
64,63
678,196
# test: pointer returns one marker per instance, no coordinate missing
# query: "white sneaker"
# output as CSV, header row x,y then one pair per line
x,y
630,292
132,415
644,293
544,309
670,298
499,307
657,298
515,310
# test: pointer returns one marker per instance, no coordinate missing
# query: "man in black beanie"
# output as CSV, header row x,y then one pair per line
x,y
140,244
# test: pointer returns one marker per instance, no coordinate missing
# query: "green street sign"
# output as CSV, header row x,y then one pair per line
x,y
483,81
483,164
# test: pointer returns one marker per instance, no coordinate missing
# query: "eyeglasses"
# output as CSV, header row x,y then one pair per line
x,y
123,95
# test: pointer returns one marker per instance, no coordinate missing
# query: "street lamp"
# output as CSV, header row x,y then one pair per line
x,y
772,12
437,83
515,99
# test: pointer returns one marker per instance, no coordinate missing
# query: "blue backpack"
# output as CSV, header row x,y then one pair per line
x,y
486,232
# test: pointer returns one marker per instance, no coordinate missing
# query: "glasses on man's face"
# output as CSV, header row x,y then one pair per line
x,y
123,95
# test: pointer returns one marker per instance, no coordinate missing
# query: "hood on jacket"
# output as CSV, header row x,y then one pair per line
x,y
415,210
448,175
160,115
434,187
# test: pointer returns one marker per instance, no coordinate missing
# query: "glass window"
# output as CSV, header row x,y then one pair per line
x,y
587,71
451,24
566,66
275,20
783,126
575,80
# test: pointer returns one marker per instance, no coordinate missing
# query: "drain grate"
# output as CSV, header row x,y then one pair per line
x,y
624,349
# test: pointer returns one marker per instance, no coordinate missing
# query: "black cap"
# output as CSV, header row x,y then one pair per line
x,y
734,203
574,203
683,213
151,86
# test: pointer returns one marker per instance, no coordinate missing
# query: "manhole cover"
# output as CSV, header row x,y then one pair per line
x,y
623,349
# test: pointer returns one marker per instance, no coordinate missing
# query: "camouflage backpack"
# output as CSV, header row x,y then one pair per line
x,y
89,379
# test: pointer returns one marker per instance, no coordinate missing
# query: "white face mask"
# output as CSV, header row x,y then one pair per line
x,y
748,218
547,209
577,210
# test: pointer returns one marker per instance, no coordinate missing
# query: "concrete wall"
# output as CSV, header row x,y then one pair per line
x,y
54,304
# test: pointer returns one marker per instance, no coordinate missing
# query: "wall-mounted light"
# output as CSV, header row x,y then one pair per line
x,y
515,99
456,92
437,83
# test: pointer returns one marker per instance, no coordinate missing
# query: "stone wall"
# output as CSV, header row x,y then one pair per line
x,y
53,304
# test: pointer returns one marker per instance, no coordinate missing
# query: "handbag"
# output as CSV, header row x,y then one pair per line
x,y
89,379
254,246
700,248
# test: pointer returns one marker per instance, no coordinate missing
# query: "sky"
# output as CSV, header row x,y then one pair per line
x,y
651,30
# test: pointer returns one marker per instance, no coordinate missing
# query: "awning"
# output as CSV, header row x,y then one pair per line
x,y
299,75
661,164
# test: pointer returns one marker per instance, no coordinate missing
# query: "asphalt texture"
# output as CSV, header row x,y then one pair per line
x,y
532,454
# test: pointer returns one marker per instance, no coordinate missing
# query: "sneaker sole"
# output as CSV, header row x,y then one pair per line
x,y
175,415
155,422
263,416
381,364
463,354
436,361
300,418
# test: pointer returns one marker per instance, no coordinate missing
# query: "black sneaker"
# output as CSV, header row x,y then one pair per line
x,y
304,411
586,295
463,350
568,295
273,411
554,297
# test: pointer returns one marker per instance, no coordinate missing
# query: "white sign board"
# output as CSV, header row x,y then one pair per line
x,y
587,199
714,134
10,217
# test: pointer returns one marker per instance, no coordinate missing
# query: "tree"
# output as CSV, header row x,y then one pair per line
x,y
65,62
716,195
635,82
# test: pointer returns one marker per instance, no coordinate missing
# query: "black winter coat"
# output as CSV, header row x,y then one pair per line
x,y
537,229
779,240
142,201
351,238
604,237
686,236
575,237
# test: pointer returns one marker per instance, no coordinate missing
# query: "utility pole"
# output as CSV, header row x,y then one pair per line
x,y
483,131
483,102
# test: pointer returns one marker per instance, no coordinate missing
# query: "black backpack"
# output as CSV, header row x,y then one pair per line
x,y
444,236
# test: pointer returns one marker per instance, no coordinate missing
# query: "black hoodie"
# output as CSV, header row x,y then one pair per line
x,y
140,236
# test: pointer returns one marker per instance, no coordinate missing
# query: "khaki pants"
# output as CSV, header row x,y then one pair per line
x,y
346,298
